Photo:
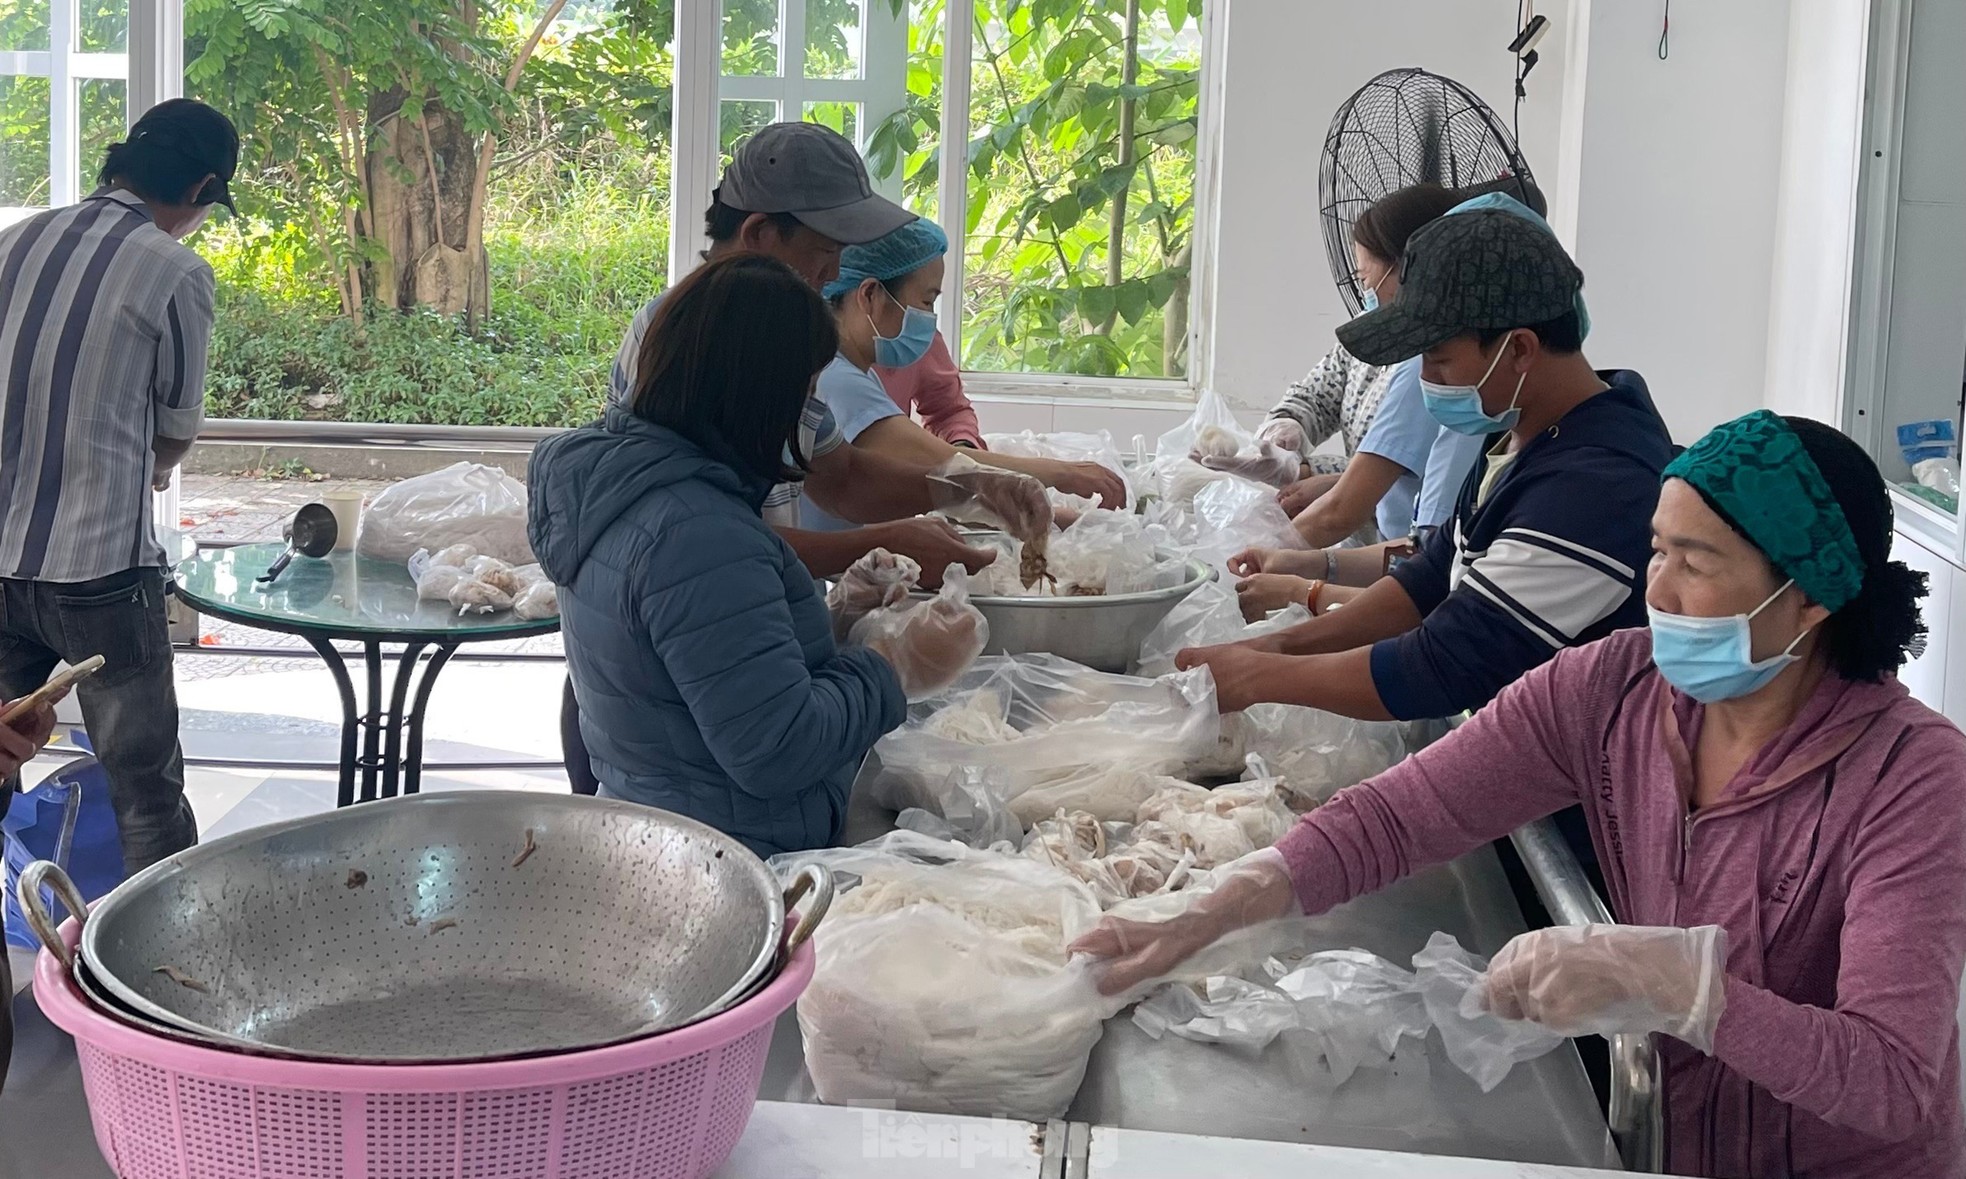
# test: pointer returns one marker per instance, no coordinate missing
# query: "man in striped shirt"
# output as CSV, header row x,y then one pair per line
x,y
105,318
1551,535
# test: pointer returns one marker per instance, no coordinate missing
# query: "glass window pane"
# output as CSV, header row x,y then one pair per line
x,y
23,25
1077,257
751,38
843,117
105,106
576,232
740,119
105,26
23,141
834,37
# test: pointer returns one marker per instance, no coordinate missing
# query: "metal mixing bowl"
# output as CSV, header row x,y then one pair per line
x,y
443,927
1103,633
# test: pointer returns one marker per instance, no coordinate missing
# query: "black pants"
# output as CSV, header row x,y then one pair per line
x,y
129,707
580,767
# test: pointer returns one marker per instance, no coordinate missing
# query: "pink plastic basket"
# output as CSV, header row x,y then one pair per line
x,y
672,1105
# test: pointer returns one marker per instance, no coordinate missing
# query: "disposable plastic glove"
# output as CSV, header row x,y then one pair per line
x,y
1266,463
1248,892
1284,432
1606,979
878,579
929,644
1014,502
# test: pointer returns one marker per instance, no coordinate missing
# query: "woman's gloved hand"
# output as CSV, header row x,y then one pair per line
x,y
878,579
1606,979
1284,432
1014,502
1248,892
1266,462
929,644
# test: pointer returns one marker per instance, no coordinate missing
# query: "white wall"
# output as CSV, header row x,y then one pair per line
x,y
1680,161
1816,208
1291,62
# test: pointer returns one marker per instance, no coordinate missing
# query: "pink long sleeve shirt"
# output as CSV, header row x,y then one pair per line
x,y
1835,860
932,388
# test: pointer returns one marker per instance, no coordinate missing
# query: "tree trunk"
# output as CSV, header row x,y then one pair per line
x,y
1116,230
421,173
1174,322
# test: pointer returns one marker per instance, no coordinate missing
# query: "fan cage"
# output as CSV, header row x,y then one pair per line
x,y
1405,127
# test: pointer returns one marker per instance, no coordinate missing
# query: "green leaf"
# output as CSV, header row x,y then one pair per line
x,y
1063,213
1131,300
1177,15
1174,134
1097,304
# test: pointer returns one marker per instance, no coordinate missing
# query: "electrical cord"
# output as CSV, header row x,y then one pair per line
x,y
1665,33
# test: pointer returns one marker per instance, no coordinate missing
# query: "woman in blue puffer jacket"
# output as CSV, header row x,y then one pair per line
x,y
701,651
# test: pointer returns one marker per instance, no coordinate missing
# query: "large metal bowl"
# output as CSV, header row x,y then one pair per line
x,y
1103,633
446,927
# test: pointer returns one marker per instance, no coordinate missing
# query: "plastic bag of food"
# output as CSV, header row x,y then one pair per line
x,y
1483,1045
943,985
463,504
1028,718
437,581
929,644
1217,827
1069,447
1109,793
1213,426
539,600
1104,857
472,596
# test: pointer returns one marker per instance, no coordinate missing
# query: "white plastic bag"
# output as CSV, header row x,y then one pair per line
x,y
1027,718
1213,416
1315,753
1217,827
1485,1046
943,984
538,600
463,504
1355,1006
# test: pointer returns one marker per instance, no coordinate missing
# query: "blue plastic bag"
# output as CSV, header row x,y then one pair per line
x,y
32,829
1936,439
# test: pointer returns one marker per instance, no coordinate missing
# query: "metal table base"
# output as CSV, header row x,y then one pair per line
x,y
381,733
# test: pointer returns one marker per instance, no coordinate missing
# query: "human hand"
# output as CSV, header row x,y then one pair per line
x,y
160,480
933,545
1127,954
1305,492
1088,480
1605,979
1237,669
23,737
878,579
1015,502
1264,593
1284,432
929,644
1266,462
1306,563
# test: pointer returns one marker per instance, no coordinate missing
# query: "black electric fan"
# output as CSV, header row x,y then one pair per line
x,y
1404,127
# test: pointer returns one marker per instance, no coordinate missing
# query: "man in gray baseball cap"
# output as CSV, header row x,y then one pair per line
x,y
813,175
1550,537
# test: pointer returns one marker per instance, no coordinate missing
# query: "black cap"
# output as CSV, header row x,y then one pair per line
x,y
1483,270
198,133
813,173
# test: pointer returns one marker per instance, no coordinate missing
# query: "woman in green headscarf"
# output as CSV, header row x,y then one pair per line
x,y
1781,824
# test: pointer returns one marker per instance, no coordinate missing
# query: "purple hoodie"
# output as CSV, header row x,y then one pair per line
x,y
1836,861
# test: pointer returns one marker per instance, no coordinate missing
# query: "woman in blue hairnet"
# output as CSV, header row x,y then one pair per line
x,y
883,298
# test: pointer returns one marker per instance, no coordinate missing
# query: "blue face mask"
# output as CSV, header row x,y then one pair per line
x,y
910,344
1371,296
1712,659
1458,407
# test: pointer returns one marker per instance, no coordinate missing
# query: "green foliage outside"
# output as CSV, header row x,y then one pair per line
x,y
1080,214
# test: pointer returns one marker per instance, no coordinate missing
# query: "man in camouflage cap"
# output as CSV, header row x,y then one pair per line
x,y
1551,535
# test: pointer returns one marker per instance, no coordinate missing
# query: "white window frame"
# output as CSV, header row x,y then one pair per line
x,y
700,88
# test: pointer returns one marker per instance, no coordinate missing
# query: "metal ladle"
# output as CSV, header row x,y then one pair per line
x,y
311,533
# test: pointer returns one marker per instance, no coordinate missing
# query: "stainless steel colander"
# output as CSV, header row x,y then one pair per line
x,y
444,927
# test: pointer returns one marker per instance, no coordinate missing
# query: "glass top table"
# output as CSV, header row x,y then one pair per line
x,y
352,598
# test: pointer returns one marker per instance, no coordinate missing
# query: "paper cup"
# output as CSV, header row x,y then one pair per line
x,y
347,509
